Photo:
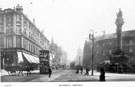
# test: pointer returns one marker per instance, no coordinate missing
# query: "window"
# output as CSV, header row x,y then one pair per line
x,y
103,44
2,41
103,53
1,19
110,51
130,49
97,45
110,43
9,29
18,17
18,42
24,44
18,29
9,42
34,49
9,18
97,52
29,47
130,42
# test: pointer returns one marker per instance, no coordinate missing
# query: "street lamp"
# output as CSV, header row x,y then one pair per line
x,y
91,37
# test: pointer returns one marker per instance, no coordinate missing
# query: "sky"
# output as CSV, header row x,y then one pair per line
x,y
69,21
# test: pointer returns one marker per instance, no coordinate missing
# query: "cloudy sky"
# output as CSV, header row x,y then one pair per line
x,y
70,21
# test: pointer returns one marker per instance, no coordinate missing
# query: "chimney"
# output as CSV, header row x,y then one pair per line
x,y
19,8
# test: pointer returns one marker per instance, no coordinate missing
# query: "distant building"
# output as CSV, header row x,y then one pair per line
x,y
19,37
105,45
79,56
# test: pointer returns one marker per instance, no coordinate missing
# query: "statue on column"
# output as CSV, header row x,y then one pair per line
x,y
118,56
119,22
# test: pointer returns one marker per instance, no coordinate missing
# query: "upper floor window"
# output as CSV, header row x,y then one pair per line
x,y
130,42
103,44
97,52
9,18
18,42
97,45
25,44
9,42
110,51
130,49
103,53
18,29
110,43
9,29
1,19
29,46
18,17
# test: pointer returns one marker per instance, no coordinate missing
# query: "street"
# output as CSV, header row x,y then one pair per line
x,y
67,76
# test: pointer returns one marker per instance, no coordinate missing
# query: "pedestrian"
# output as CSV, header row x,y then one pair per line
x,y
87,72
102,74
81,70
77,71
49,71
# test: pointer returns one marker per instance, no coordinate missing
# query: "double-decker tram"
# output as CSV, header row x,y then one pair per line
x,y
44,61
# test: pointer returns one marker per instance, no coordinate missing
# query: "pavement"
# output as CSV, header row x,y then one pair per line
x,y
66,76
110,77
35,76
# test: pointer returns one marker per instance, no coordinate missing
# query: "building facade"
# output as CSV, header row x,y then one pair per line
x,y
105,45
19,37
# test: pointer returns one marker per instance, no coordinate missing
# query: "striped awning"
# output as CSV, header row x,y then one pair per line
x,y
20,58
31,58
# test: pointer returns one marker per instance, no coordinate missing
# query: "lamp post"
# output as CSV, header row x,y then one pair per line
x,y
91,37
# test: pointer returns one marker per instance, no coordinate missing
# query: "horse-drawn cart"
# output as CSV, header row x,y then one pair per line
x,y
18,69
12,69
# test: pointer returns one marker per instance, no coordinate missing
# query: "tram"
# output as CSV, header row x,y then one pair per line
x,y
44,61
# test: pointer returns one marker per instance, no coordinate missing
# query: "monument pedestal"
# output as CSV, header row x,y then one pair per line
x,y
119,57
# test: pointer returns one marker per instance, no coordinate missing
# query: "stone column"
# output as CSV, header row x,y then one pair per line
x,y
119,22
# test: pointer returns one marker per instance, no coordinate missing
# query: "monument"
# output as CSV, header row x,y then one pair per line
x,y
119,56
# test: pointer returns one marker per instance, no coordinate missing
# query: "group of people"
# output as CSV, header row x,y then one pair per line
x,y
102,73
81,69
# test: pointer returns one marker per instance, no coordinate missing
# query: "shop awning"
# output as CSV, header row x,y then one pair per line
x,y
31,58
20,58
36,59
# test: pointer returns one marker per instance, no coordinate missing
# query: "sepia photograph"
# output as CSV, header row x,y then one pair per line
x,y
67,43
